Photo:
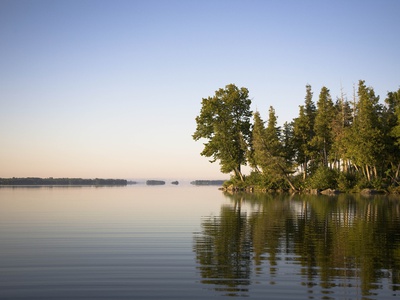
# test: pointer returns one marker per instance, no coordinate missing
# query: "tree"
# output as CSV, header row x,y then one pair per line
x,y
268,149
364,139
393,101
341,121
303,130
258,160
224,121
392,118
322,141
287,142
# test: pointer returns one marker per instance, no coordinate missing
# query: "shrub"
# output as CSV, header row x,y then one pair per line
x,y
346,181
323,178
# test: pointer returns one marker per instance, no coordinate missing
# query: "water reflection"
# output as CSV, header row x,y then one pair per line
x,y
344,246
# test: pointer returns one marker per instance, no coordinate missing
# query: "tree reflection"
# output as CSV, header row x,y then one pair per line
x,y
224,250
344,242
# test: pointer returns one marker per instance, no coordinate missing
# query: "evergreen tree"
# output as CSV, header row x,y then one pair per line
x,y
269,151
288,142
364,140
393,101
323,138
273,134
258,143
341,121
303,130
392,118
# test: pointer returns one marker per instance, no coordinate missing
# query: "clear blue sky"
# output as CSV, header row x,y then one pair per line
x,y
112,88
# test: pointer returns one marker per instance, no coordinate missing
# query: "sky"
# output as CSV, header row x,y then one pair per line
x,y
111,89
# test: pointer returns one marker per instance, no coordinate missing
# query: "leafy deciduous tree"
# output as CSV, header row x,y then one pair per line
x,y
224,121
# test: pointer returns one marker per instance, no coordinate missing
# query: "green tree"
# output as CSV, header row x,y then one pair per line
x,y
268,150
341,121
258,143
322,140
364,140
287,143
224,121
392,118
303,131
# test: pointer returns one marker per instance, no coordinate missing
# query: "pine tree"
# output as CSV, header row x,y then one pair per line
x,y
303,129
364,140
323,138
258,160
341,121
268,150
392,117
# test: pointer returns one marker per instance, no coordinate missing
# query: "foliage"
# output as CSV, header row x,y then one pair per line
x,y
322,140
348,145
323,178
224,121
266,181
346,181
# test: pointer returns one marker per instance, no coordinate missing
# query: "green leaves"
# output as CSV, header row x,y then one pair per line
x,y
361,138
224,121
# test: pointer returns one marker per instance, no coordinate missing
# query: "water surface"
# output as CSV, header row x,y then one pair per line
x,y
187,242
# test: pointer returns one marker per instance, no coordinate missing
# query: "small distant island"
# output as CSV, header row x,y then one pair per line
x,y
207,182
62,181
155,182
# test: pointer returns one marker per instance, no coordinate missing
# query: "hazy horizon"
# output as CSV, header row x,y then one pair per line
x,y
111,89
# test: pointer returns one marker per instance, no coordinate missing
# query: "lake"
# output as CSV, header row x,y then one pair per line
x,y
189,242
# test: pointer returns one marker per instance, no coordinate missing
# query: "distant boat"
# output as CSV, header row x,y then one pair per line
x,y
155,182
175,182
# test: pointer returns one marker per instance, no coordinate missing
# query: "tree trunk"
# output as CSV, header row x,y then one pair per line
x,y
367,173
290,183
238,173
397,172
325,155
305,170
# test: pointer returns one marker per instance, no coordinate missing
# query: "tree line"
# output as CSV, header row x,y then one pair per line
x,y
343,144
61,181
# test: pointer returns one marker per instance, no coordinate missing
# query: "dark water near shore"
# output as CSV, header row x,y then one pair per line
x,y
186,242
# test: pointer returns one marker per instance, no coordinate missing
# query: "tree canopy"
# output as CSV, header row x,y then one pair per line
x,y
224,121
346,144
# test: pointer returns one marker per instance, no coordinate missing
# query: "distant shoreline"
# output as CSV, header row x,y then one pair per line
x,y
35,181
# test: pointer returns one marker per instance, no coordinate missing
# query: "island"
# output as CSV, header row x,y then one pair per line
x,y
61,181
207,182
155,182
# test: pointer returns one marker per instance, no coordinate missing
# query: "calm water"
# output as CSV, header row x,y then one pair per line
x,y
186,242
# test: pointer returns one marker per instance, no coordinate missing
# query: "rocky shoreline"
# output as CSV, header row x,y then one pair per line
x,y
328,192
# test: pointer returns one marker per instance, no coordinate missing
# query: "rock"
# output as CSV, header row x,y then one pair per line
x,y
315,192
369,192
